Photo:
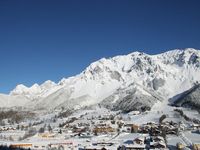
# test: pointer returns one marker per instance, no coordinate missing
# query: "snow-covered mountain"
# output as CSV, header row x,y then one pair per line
x,y
127,82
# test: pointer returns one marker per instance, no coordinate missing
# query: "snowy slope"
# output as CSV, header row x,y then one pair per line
x,y
166,75
13,101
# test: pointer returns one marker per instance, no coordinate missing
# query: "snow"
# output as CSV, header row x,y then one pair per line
x,y
13,101
102,78
193,137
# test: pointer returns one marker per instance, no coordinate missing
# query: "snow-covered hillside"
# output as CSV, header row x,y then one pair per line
x,y
136,79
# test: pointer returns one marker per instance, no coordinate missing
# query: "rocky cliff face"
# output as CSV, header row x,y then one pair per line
x,y
189,98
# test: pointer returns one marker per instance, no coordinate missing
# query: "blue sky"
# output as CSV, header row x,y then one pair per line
x,y
51,39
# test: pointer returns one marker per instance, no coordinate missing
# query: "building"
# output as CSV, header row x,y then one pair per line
x,y
61,146
21,145
135,128
132,147
158,139
139,140
157,145
103,129
46,135
130,127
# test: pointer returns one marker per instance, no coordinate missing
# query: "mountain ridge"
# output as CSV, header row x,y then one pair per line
x,y
165,74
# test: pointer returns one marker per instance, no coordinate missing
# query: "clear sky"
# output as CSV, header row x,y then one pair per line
x,y
52,39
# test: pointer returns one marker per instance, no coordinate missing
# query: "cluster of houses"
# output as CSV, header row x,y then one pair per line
x,y
4,128
151,134
157,129
138,143
141,143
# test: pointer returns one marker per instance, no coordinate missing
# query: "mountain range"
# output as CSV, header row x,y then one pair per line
x,y
136,81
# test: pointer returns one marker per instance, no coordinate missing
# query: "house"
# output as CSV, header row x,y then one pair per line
x,y
157,145
195,126
139,140
157,142
136,144
158,139
130,127
135,128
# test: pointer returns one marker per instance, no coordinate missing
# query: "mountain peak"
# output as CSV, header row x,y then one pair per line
x,y
20,89
167,74
47,84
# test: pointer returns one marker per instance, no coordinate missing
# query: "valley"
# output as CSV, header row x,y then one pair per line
x,y
134,101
